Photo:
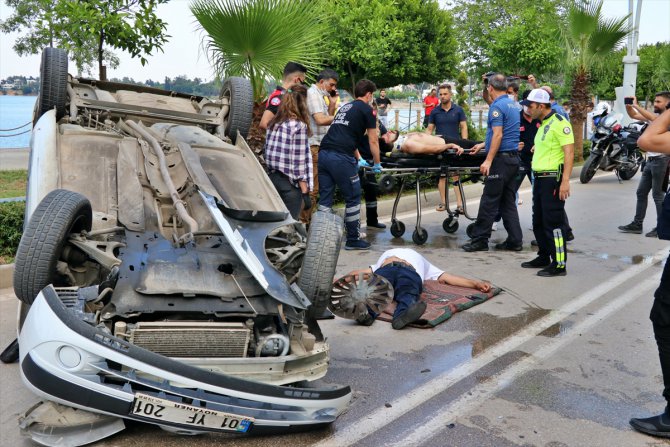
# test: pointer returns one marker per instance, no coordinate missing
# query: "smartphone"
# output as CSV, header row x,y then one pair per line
x,y
333,93
628,100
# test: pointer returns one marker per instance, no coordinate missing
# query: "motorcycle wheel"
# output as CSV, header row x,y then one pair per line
x,y
590,167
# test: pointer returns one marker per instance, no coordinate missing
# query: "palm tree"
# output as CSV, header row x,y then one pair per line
x,y
589,38
256,38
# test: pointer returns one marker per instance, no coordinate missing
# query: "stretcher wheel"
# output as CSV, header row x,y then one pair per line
x,y
469,229
450,224
397,228
386,184
420,236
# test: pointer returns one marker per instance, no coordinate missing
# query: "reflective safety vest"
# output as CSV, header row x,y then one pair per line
x,y
554,133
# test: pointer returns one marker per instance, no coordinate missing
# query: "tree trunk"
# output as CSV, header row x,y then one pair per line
x,y
256,137
579,101
101,68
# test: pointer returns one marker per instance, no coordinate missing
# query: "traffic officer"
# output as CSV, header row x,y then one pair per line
x,y
500,168
338,155
369,182
552,166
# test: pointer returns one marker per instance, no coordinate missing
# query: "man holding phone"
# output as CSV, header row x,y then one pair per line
x,y
655,170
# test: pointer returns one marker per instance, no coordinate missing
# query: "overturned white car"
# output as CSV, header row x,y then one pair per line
x,y
161,277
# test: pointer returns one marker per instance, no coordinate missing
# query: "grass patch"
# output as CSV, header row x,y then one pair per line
x,y
11,228
13,183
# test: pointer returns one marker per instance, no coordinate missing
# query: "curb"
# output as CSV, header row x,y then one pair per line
x,y
6,276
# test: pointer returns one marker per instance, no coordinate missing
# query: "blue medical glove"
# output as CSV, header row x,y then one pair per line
x,y
362,163
377,168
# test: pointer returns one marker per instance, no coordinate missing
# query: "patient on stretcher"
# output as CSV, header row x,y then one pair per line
x,y
416,143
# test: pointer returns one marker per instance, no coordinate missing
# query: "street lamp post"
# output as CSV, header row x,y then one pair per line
x,y
630,61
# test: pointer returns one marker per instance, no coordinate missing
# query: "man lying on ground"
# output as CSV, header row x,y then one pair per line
x,y
406,270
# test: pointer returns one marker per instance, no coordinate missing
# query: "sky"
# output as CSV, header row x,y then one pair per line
x,y
182,55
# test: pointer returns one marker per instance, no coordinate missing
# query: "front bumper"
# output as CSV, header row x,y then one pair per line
x,y
70,362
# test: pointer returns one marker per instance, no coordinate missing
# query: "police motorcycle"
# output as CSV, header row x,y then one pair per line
x,y
613,148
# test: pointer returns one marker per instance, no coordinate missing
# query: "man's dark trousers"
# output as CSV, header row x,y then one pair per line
x,y
548,216
653,177
369,185
499,195
660,317
407,286
336,169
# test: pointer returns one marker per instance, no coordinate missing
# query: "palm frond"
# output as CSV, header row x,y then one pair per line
x,y
256,38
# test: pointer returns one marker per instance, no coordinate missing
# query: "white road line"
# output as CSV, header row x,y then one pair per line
x,y
383,416
429,209
469,401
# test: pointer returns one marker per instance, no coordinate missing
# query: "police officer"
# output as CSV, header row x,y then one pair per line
x,y
500,168
552,165
338,156
657,138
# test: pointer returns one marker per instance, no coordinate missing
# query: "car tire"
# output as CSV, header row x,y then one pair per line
x,y
53,83
240,96
324,241
60,213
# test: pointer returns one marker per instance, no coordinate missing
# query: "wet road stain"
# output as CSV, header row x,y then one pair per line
x,y
630,260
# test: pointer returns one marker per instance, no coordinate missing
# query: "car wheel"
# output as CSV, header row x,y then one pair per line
x,y
397,228
240,97
53,83
450,224
324,241
60,213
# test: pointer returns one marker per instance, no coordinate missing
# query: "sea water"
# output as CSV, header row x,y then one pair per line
x,y
16,111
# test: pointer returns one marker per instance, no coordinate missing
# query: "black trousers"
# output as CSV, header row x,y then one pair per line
x,y
550,224
369,185
290,194
660,317
499,195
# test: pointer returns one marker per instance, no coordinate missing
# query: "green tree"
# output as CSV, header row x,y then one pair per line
x,y
390,41
256,38
87,29
589,39
518,37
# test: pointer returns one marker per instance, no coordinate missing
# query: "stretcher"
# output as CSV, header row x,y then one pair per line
x,y
398,167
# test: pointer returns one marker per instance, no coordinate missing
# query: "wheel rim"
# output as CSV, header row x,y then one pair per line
x,y
353,294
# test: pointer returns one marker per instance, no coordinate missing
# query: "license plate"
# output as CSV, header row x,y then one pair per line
x,y
159,409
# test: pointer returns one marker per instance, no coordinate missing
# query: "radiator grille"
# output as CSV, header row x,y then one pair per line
x,y
189,339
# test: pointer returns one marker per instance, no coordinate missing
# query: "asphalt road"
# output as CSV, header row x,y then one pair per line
x,y
550,362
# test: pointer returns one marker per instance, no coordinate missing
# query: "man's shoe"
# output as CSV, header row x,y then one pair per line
x,y
377,225
655,425
365,320
552,270
412,314
632,227
476,246
357,245
509,247
652,233
534,243
570,236
537,263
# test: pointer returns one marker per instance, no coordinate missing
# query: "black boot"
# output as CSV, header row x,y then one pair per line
x,y
656,425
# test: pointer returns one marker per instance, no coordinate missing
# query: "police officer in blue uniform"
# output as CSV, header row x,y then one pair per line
x,y
500,168
338,156
657,139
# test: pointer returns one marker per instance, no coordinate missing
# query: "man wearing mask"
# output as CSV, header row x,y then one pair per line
x,y
321,116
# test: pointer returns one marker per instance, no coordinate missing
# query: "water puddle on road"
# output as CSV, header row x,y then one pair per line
x,y
630,260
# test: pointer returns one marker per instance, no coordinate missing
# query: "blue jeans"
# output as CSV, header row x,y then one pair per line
x,y
653,175
340,170
407,286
